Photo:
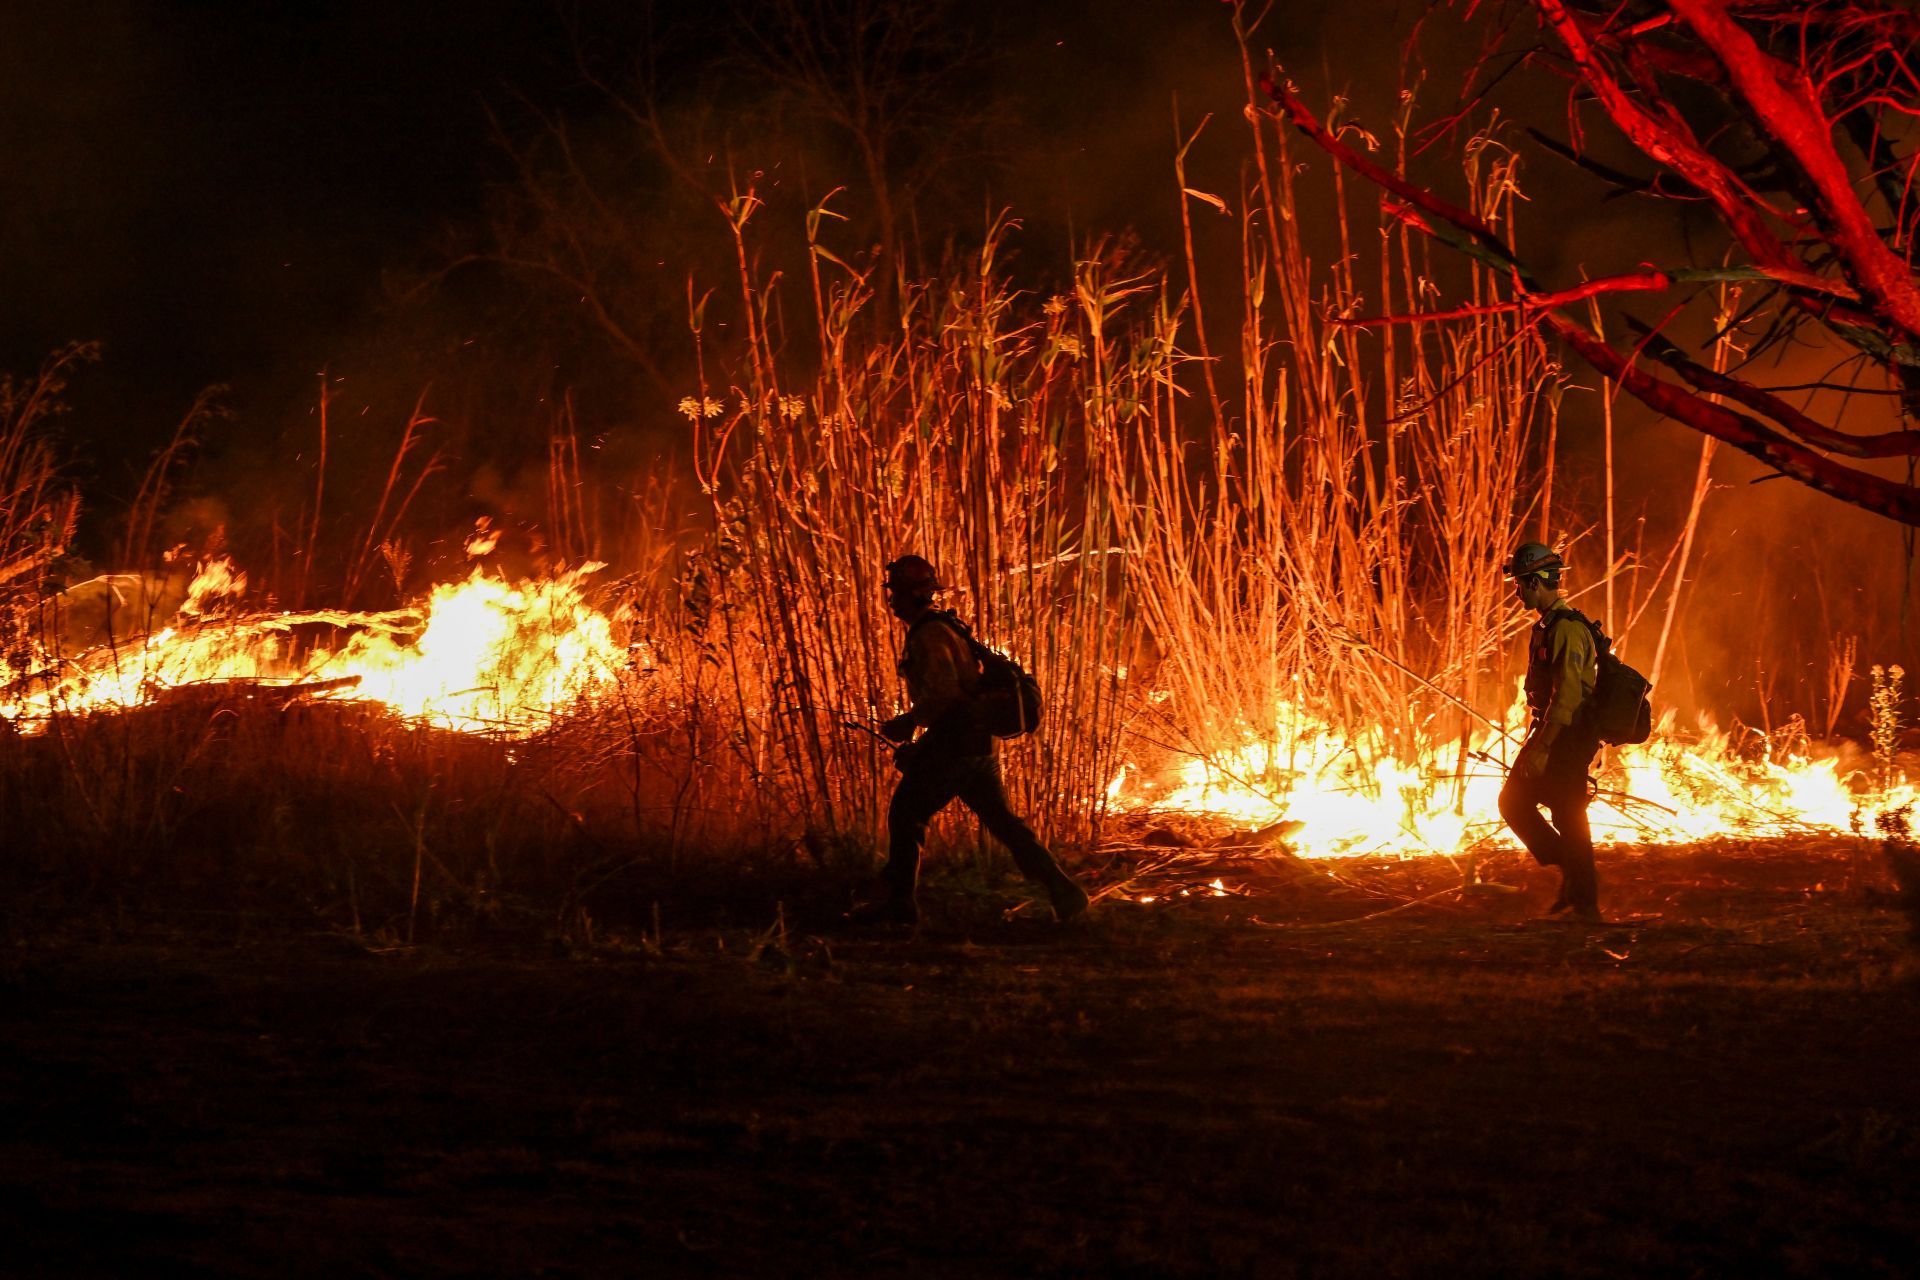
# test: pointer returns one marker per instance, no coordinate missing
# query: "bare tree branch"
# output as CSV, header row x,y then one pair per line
x,y
1886,497
1768,79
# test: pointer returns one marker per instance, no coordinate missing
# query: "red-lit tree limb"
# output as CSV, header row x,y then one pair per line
x,y
1665,138
1885,497
1792,83
1640,282
1886,444
1782,99
1484,238
1792,106
1878,308
1669,142
1776,262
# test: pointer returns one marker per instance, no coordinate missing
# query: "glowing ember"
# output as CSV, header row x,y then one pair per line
x,y
481,655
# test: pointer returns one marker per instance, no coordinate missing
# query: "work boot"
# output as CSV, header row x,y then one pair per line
x,y
1560,900
1069,900
892,909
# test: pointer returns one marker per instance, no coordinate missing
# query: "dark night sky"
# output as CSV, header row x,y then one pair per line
x,y
213,191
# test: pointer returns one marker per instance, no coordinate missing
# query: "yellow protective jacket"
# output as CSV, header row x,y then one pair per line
x,y
1562,666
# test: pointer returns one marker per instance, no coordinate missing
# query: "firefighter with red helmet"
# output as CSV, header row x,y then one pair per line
x,y
1551,770
952,758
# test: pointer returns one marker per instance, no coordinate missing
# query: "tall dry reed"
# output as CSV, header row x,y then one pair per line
x,y
1193,553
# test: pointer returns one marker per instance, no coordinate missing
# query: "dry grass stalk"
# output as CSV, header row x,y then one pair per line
x,y
1237,553
1193,553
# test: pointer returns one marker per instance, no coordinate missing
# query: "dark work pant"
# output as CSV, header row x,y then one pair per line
x,y
931,782
1566,841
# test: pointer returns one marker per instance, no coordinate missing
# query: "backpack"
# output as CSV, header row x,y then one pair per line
x,y
1621,710
1006,700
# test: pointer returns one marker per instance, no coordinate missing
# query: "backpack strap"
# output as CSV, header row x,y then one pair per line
x,y
950,618
1601,643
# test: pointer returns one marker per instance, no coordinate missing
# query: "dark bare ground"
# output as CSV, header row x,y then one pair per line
x,y
1278,1084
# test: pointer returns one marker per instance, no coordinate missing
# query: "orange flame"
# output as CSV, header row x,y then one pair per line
x,y
483,655
490,656
1352,795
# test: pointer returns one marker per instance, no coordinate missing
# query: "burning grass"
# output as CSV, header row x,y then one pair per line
x,y
340,814
1314,1022
482,655
1258,588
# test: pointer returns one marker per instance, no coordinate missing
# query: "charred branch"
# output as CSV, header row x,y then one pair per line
x,y
1623,183
1900,502
1887,444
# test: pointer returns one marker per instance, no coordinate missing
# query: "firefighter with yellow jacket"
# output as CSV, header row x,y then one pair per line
x,y
1551,770
953,757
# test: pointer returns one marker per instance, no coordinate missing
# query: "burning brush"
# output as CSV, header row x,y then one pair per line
x,y
482,655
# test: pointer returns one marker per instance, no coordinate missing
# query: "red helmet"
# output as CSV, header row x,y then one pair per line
x,y
912,576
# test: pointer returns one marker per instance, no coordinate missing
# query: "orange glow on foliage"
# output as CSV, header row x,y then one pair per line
x,y
485,655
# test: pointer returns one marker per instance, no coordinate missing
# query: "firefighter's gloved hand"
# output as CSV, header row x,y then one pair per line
x,y
1530,765
898,729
